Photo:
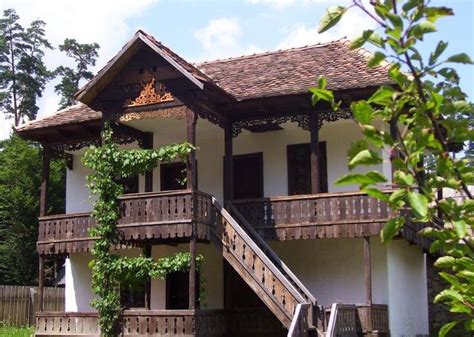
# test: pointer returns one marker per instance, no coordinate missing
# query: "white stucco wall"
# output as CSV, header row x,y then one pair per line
x,y
79,277
210,140
333,269
212,270
407,290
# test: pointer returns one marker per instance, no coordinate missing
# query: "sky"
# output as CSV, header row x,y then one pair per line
x,y
201,30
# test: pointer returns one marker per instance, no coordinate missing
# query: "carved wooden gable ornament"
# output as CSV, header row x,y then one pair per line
x,y
151,92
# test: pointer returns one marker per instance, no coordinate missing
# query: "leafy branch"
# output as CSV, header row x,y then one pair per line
x,y
429,117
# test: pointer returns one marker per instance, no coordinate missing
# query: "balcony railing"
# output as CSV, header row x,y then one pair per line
x,y
144,216
137,323
325,215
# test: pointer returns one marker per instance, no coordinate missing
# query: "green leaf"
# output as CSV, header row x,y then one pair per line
x,y
371,177
376,40
440,48
376,193
362,111
423,28
376,59
320,94
419,204
445,262
365,157
460,58
383,96
446,328
461,228
410,4
331,17
391,228
361,39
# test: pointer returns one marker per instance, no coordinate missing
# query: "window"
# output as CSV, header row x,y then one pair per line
x,y
133,295
299,168
172,176
177,290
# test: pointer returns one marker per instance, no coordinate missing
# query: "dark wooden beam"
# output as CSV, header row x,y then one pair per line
x,y
368,280
44,181
191,182
148,144
128,130
40,283
314,153
228,163
147,253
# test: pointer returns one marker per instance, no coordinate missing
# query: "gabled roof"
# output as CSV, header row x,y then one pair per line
x,y
293,71
99,81
270,74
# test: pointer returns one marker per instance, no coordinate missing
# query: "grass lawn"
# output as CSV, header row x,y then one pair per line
x,y
7,331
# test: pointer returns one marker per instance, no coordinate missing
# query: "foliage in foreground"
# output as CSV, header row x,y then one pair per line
x,y
428,116
109,164
9,331
20,177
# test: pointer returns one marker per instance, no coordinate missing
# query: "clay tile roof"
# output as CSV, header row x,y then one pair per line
x,y
293,71
74,114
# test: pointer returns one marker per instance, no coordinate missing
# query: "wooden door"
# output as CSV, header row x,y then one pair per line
x,y
299,168
248,176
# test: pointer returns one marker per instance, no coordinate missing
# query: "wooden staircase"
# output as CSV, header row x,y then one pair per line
x,y
264,272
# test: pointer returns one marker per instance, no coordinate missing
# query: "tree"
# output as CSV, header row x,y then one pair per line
x,y
429,115
84,55
20,177
23,74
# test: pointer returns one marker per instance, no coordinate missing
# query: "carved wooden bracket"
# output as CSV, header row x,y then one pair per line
x,y
151,93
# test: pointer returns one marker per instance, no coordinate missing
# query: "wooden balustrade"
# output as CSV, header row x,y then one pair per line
x,y
185,323
299,325
373,318
152,216
325,215
342,321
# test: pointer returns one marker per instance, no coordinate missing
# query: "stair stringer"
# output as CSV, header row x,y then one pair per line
x,y
255,268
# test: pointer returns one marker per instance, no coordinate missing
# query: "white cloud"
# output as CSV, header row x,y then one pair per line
x,y
286,3
87,21
221,38
352,23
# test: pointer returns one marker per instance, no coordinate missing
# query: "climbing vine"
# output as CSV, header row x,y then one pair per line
x,y
109,164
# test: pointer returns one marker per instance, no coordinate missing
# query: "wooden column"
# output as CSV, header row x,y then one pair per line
x,y
228,163
368,280
314,148
148,144
191,182
43,208
44,181
147,253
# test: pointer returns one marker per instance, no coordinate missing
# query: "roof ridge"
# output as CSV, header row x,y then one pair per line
x,y
271,52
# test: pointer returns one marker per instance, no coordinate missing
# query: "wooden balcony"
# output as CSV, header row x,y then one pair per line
x,y
138,323
325,215
144,216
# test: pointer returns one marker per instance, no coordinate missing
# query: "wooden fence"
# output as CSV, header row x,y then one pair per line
x,y
19,303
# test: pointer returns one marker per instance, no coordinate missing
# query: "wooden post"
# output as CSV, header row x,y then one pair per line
x,y
147,253
228,163
148,144
314,148
191,181
41,283
368,280
44,181
43,208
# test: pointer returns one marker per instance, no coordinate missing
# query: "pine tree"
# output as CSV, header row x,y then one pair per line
x,y
23,74
84,55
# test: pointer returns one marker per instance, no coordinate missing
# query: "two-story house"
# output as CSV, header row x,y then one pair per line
x,y
281,242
